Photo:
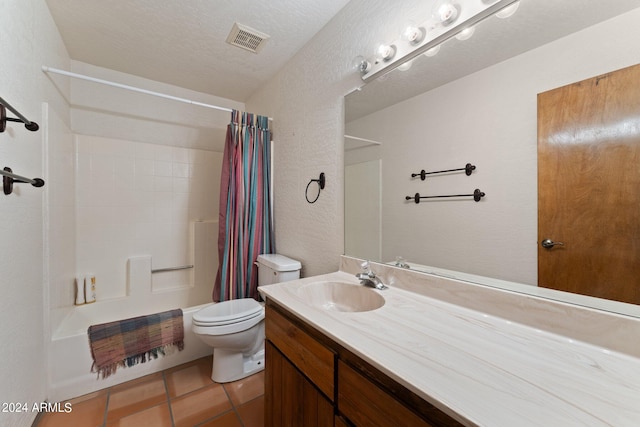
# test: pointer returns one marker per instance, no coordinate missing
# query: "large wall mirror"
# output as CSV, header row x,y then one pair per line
x,y
475,102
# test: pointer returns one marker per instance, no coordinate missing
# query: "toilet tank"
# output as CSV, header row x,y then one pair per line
x,y
275,268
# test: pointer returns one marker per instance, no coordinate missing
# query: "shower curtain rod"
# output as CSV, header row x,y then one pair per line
x,y
133,88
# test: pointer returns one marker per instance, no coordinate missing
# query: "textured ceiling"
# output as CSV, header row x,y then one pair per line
x,y
183,42
536,23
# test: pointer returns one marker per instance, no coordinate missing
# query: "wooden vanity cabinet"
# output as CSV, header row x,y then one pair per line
x,y
290,398
312,381
299,376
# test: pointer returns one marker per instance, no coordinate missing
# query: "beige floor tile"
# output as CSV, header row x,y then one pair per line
x,y
246,389
252,413
128,398
129,384
195,400
230,419
88,412
200,405
89,396
189,377
156,416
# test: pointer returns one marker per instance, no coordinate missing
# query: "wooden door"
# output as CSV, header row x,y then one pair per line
x,y
589,186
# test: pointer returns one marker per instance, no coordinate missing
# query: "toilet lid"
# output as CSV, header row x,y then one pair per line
x,y
226,312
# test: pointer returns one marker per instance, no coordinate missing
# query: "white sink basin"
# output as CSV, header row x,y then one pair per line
x,y
340,296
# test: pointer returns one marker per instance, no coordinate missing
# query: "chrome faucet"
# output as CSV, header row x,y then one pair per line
x,y
369,278
400,262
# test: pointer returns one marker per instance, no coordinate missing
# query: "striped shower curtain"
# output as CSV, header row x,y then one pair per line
x,y
245,227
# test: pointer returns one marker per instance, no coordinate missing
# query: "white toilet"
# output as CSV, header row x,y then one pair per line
x,y
235,329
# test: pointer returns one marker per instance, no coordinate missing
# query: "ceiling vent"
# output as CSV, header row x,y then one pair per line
x,y
246,38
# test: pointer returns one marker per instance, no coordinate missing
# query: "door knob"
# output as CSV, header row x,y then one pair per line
x,y
548,243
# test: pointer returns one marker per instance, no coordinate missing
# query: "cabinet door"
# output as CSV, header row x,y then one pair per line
x,y
365,404
290,399
315,360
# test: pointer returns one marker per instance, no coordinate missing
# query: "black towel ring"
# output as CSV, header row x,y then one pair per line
x,y
320,182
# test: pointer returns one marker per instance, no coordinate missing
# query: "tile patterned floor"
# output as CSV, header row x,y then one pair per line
x,y
181,396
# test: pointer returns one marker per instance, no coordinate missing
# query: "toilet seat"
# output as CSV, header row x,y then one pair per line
x,y
245,311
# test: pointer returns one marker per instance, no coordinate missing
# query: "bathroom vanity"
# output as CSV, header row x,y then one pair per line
x,y
431,351
310,377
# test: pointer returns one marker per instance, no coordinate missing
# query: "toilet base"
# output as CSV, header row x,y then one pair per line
x,y
232,366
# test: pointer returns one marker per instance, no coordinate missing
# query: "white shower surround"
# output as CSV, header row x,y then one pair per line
x,y
136,182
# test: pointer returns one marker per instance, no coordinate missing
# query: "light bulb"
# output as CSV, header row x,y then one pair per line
x,y
361,65
445,12
466,33
405,66
508,11
386,51
414,34
432,52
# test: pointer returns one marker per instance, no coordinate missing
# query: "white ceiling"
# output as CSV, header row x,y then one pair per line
x,y
183,42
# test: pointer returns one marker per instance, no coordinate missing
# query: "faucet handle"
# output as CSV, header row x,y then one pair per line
x,y
366,268
401,262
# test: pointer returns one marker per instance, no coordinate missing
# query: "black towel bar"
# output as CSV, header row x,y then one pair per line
x,y
468,169
32,126
477,195
9,178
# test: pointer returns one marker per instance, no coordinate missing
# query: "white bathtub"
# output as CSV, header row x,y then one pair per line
x,y
69,355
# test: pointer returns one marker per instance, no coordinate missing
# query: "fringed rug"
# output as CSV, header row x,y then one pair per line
x,y
136,340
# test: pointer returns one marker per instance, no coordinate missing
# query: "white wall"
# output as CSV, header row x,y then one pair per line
x,y
488,119
306,100
363,209
28,39
111,112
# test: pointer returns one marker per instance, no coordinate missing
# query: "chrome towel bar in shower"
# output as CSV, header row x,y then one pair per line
x,y
162,270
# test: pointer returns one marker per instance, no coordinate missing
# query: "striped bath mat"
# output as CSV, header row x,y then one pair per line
x,y
132,341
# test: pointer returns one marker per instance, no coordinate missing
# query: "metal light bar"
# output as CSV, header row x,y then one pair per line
x,y
470,15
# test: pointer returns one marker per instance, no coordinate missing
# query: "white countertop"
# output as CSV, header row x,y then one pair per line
x,y
481,369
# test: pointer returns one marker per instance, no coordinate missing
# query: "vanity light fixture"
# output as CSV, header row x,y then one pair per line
x,y
405,66
466,33
448,19
386,51
445,12
414,34
508,11
432,52
361,64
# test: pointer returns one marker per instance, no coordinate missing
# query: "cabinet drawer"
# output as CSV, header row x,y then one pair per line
x,y
365,404
311,357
